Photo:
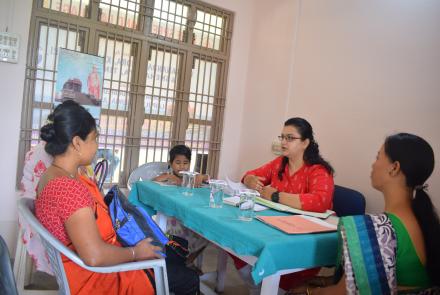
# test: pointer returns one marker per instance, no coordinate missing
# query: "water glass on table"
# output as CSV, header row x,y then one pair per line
x,y
188,182
216,194
246,204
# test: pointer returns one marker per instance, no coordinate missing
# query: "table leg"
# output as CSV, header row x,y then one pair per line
x,y
270,285
222,260
161,220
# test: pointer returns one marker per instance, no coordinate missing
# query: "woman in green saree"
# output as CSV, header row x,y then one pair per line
x,y
398,251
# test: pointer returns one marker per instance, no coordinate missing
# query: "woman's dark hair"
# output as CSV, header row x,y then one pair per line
x,y
311,154
416,159
180,150
68,120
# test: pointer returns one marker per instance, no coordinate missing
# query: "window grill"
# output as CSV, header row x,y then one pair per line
x,y
164,82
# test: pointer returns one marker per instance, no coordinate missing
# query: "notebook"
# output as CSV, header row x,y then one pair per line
x,y
298,224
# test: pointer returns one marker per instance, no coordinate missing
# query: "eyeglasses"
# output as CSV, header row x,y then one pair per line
x,y
288,138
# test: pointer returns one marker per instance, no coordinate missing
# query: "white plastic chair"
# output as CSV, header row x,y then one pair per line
x,y
147,171
54,247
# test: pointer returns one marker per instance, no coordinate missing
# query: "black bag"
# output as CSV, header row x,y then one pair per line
x,y
177,249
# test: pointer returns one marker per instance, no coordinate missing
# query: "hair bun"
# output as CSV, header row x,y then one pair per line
x,y
47,133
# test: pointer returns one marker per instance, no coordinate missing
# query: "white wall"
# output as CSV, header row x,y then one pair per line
x,y
367,69
16,16
268,78
361,70
236,87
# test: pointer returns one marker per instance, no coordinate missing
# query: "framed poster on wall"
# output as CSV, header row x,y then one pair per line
x,y
80,78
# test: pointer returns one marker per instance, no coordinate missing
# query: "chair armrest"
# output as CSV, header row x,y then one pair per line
x,y
145,264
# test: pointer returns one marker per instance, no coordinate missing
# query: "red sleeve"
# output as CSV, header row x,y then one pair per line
x,y
265,171
73,195
320,195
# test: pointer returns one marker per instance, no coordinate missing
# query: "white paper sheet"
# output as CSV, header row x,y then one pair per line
x,y
234,200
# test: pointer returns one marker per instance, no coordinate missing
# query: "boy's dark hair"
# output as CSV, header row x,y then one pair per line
x,y
180,150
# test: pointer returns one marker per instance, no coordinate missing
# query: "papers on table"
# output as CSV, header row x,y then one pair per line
x,y
233,187
284,208
298,224
234,200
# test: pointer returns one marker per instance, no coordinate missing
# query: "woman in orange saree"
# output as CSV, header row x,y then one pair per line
x,y
71,207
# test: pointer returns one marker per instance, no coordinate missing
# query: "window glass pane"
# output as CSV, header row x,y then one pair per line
x,y
50,39
39,117
161,82
118,62
124,13
199,161
197,138
112,132
169,19
75,7
208,30
155,141
148,155
203,85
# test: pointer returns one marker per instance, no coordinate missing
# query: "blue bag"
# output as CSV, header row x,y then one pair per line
x,y
131,223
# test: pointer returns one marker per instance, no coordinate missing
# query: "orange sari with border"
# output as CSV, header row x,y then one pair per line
x,y
82,281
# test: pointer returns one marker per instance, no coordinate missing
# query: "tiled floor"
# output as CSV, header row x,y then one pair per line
x,y
233,284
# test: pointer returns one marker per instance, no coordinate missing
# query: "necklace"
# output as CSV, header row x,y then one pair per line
x,y
64,170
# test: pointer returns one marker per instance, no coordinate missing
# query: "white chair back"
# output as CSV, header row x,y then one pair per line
x,y
54,247
147,171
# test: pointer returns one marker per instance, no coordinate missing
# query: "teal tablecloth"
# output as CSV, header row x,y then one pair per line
x,y
275,250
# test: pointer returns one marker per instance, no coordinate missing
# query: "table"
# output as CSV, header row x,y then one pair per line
x,y
276,253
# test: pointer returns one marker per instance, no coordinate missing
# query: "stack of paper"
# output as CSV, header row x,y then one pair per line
x,y
284,208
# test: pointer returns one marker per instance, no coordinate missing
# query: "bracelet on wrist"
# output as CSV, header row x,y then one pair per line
x,y
133,254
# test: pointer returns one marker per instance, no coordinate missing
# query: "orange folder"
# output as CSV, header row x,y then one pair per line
x,y
298,224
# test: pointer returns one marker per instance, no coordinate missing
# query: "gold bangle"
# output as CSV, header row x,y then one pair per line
x,y
133,254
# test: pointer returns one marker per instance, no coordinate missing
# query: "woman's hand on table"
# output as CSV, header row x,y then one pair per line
x,y
267,191
254,182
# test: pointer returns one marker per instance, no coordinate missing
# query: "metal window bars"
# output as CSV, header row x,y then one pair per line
x,y
164,79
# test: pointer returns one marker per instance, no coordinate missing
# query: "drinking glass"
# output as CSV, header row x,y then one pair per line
x,y
216,194
246,204
188,182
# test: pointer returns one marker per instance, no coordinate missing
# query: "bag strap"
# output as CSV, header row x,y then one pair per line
x,y
101,170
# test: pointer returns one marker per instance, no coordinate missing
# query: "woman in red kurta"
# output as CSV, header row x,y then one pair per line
x,y
300,178
313,184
